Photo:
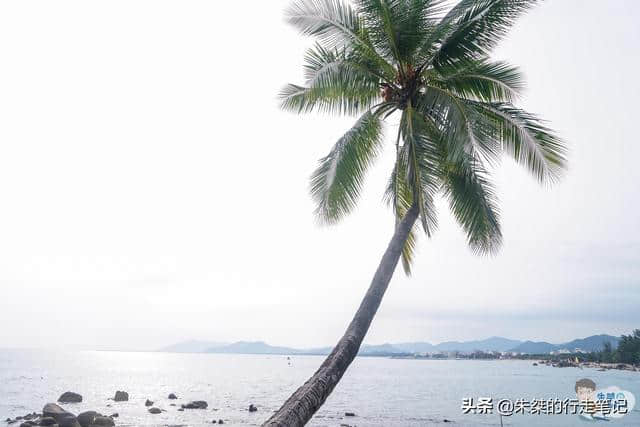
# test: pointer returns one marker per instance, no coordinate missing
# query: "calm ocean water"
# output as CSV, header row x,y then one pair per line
x,y
382,392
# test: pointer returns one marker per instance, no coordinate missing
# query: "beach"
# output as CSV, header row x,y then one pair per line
x,y
378,391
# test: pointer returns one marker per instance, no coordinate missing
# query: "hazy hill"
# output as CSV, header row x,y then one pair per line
x,y
191,346
532,347
253,347
592,343
490,344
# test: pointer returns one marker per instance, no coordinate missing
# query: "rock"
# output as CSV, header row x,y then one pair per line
x,y
70,397
172,404
148,403
115,415
196,404
121,396
101,421
349,414
86,418
154,410
446,421
28,424
213,421
62,417
220,422
172,396
252,408
47,421
180,409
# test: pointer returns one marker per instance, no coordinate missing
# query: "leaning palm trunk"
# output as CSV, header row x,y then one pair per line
x,y
301,406
430,66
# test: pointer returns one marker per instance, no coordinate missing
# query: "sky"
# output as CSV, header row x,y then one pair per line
x,y
152,191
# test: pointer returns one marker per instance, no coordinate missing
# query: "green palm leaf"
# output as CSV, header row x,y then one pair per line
x,y
464,132
482,81
526,139
335,83
399,195
336,183
336,24
474,27
473,203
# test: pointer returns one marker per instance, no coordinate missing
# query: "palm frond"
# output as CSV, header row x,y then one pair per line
x,y
336,183
482,81
336,24
335,83
399,196
382,18
525,138
473,203
473,27
421,165
463,131
398,27
420,19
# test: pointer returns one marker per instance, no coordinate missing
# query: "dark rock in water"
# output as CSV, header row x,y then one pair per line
x,y
180,409
47,421
446,421
172,396
62,417
86,418
28,424
252,408
115,415
196,404
148,403
101,421
121,396
154,410
70,397
213,421
349,414
220,422
172,404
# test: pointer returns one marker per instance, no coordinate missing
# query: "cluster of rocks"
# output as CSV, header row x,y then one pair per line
x,y
55,416
196,404
600,366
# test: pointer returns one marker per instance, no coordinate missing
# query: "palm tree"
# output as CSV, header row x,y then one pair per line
x,y
430,66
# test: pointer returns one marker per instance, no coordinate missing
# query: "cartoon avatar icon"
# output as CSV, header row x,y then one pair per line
x,y
585,390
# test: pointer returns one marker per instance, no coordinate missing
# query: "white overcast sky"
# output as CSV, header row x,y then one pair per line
x,y
151,190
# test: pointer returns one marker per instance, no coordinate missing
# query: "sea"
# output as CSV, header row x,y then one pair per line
x,y
379,391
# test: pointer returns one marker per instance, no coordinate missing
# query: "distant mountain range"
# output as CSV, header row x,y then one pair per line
x,y
592,343
192,346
